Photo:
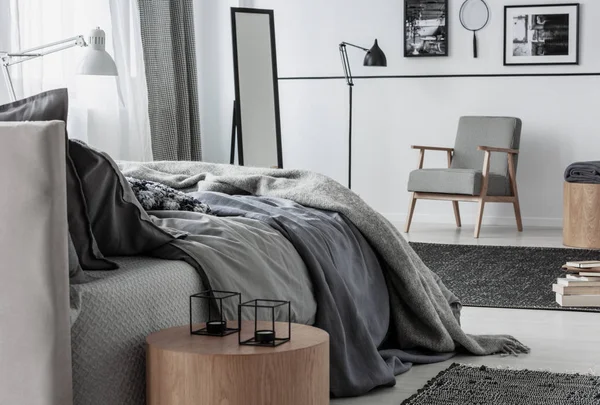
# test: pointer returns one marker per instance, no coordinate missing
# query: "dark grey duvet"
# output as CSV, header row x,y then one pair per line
x,y
349,286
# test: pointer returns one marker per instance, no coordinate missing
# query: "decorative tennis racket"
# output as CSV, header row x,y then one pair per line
x,y
474,16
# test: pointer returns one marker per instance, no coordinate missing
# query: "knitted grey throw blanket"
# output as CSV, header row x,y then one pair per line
x,y
425,314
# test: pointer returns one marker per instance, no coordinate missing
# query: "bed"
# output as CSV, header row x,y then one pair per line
x,y
268,233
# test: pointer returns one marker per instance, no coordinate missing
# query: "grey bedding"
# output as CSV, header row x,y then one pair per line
x,y
245,255
583,172
425,315
112,315
353,304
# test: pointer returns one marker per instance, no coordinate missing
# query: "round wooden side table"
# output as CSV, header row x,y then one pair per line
x,y
187,369
581,217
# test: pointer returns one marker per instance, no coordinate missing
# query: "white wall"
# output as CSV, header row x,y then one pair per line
x,y
560,114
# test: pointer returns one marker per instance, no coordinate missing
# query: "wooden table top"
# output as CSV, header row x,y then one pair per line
x,y
179,339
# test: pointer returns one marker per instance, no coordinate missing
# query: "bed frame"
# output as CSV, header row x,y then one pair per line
x,y
35,344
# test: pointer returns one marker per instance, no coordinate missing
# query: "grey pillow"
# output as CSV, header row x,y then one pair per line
x,y
46,106
119,223
76,274
54,105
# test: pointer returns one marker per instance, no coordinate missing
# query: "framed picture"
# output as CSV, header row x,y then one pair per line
x,y
425,28
541,34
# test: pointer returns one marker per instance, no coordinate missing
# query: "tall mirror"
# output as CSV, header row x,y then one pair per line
x,y
256,107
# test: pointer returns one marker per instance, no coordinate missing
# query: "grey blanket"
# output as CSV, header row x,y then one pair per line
x,y
424,313
350,290
583,172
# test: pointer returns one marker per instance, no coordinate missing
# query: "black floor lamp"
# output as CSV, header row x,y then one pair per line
x,y
374,57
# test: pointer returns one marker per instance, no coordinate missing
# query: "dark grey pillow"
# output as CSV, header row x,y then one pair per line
x,y
119,223
54,105
76,274
47,106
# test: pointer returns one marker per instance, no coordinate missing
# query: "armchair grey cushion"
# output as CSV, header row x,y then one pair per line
x,y
465,173
455,181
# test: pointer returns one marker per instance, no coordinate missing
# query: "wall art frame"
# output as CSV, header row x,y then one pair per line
x,y
425,28
541,34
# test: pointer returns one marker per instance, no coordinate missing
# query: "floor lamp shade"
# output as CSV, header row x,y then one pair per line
x,y
375,56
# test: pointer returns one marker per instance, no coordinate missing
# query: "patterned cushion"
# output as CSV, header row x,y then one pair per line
x,y
156,196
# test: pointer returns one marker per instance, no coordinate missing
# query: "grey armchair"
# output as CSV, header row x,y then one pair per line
x,y
482,168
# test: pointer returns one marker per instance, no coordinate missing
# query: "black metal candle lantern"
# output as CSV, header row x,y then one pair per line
x,y
216,325
266,336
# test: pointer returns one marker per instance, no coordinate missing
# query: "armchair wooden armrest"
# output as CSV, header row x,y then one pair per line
x,y
422,149
432,148
493,149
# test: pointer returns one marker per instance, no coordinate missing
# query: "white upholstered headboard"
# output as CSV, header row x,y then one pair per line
x,y
35,345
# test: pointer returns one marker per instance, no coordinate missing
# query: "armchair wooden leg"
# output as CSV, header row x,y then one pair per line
x,y
479,218
517,207
483,194
411,210
456,213
513,183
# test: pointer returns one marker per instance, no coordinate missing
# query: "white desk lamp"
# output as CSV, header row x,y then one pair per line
x,y
96,61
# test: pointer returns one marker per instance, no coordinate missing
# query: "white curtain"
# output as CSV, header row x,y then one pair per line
x,y
109,113
129,57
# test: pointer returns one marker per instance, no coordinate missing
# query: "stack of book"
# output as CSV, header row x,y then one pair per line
x,y
581,285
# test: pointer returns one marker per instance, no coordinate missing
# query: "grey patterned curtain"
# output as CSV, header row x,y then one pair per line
x,y
167,28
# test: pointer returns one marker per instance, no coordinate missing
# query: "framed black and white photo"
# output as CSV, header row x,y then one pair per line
x,y
541,34
425,28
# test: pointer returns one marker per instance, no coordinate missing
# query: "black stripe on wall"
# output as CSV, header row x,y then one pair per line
x,y
443,76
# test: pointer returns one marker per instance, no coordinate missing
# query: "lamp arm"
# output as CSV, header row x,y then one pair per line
x,y
355,46
77,40
9,83
346,64
9,59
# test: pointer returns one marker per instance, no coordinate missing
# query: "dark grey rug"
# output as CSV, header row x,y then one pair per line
x,y
460,385
502,276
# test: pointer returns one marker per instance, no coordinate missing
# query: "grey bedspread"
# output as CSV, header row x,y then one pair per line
x,y
111,317
424,313
583,172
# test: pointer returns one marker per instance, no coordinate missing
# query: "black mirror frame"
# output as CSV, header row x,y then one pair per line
x,y
237,111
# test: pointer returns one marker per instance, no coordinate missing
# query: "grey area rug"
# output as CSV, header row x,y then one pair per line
x,y
502,276
460,385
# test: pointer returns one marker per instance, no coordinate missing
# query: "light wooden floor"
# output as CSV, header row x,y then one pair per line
x,y
490,235
560,341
